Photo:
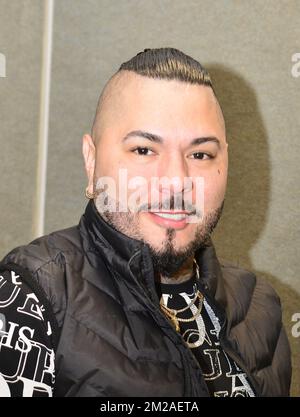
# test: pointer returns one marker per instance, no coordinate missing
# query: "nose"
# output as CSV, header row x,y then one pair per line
x,y
174,170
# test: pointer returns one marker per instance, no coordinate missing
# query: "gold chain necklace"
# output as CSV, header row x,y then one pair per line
x,y
172,313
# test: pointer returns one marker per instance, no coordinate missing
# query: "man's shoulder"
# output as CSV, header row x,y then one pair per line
x,y
48,250
243,284
256,328
42,263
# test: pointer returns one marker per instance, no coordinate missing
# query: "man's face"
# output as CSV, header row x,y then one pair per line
x,y
171,115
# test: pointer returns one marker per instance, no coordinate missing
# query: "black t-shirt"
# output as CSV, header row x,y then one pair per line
x,y
201,333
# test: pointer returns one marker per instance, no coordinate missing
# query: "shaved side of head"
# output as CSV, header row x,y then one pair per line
x,y
107,103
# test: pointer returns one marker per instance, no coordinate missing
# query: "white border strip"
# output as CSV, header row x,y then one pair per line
x,y
39,212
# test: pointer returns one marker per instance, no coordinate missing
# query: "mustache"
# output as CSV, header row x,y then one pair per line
x,y
172,203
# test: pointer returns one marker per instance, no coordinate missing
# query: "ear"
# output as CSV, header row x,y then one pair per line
x,y
89,155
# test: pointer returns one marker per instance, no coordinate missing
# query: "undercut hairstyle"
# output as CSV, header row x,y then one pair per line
x,y
159,63
169,64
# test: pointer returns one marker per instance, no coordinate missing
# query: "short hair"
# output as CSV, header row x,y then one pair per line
x,y
169,64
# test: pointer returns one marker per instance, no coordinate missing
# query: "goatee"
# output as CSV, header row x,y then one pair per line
x,y
168,261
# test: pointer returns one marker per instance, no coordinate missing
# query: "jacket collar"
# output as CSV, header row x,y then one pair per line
x,y
131,258
117,247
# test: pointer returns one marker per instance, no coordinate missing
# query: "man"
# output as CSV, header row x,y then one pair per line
x,y
133,301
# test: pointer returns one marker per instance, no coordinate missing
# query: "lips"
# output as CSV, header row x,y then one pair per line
x,y
170,219
172,216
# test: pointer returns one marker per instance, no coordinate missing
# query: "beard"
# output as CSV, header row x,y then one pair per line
x,y
168,259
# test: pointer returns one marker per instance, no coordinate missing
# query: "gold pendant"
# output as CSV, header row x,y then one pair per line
x,y
175,323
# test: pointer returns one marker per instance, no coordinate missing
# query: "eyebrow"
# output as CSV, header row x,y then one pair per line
x,y
158,139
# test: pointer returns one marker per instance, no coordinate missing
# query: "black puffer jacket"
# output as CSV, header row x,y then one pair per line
x,y
114,339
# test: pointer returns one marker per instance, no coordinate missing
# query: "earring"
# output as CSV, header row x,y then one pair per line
x,y
89,195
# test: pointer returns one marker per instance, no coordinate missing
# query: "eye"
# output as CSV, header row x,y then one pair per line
x,y
201,155
142,151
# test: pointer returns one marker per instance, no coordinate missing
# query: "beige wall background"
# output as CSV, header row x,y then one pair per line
x,y
248,48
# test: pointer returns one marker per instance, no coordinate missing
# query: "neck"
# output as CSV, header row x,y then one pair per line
x,y
183,274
